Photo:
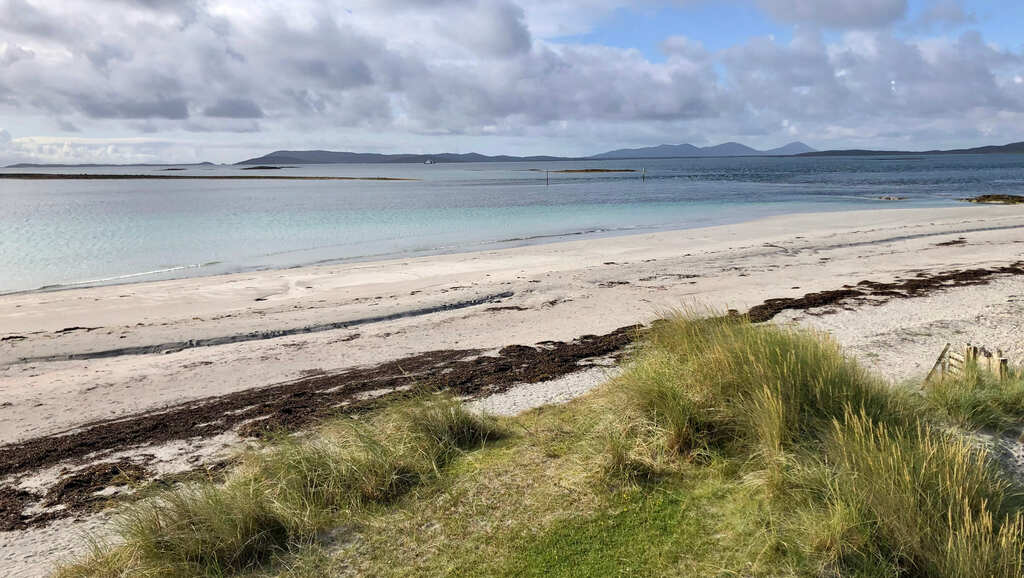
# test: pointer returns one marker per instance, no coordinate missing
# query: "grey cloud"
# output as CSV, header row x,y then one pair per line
x,y
837,13
5,137
103,54
13,53
943,14
223,125
99,107
67,126
188,11
234,108
491,27
339,73
873,79
674,46
24,18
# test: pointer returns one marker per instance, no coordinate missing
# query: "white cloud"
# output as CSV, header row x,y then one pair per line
x,y
490,75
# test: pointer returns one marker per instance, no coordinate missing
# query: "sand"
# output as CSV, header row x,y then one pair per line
x,y
77,356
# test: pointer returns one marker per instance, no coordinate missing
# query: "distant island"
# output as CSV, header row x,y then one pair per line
x,y
1012,148
285,158
331,157
730,149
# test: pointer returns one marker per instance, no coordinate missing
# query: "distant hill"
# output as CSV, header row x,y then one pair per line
x,y
729,149
658,152
325,157
793,148
1012,148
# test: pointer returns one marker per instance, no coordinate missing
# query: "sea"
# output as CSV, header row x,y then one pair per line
x,y
57,234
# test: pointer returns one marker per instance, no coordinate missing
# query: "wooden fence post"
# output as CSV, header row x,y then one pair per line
x,y
940,364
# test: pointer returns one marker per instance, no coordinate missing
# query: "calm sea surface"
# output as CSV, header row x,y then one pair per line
x,y
68,232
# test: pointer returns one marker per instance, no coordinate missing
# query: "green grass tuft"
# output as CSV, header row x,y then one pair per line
x,y
979,399
279,499
887,498
204,529
923,491
724,383
446,428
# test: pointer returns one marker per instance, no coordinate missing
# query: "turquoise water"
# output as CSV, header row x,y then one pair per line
x,y
70,232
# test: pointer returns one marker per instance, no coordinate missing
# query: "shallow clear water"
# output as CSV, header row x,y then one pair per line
x,y
64,232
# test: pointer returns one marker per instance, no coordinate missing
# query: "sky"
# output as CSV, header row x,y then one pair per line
x,y
127,81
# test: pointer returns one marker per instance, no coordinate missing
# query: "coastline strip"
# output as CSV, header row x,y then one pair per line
x,y
86,176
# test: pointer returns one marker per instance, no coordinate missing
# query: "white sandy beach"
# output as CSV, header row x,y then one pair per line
x,y
488,300
565,289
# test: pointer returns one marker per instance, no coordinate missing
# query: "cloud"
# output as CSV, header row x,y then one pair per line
x,y
90,150
67,126
234,108
837,13
487,74
495,28
107,106
22,17
943,14
12,53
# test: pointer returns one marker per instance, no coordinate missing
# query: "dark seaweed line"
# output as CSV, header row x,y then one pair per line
x,y
175,346
919,286
293,405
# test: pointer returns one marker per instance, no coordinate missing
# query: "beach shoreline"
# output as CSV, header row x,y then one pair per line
x,y
219,268
102,362
594,285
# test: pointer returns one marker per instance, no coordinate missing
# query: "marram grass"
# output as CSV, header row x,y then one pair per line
x,y
723,449
277,500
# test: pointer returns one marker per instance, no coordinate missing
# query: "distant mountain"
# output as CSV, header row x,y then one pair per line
x,y
793,148
658,152
1012,148
729,149
94,165
325,157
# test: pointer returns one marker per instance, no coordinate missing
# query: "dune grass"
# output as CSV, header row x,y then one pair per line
x,y
979,399
723,449
897,489
278,499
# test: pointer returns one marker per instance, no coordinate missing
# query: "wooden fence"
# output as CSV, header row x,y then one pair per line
x,y
954,362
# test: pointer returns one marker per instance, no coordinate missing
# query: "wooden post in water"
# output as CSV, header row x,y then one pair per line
x,y
643,174
547,179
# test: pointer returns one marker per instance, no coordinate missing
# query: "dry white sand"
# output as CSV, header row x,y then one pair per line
x,y
564,289
567,289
